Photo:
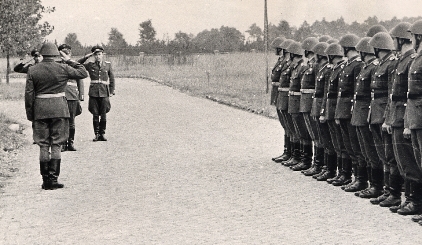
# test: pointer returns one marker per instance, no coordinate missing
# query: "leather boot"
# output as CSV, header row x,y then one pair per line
x,y
339,169
394,198
331,164
287,151
306,158
407,190
417,218
96,130
355,174
415,204
375,190
53,174
63,147
292,149
324,168
70,146
386,191
369,174
361,182
102,131
295,159
318,162
346,174
44,174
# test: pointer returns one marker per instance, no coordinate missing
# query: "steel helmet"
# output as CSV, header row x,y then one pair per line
x,y
277,41
333,40
363,46
286,43
320,48
309,43
416,28
401,30
324,38
375,29
382,40
334,49
349,40
49,49
295,48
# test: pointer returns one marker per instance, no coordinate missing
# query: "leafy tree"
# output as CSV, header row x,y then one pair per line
x,y
303,32
255,33
116,42
147,33
285,29
20,28
72,40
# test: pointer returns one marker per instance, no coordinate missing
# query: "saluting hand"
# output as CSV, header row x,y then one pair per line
x,y
64,56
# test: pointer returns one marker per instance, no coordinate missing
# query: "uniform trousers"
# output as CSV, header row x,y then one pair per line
x,y
367,146
338,144
312,128
325,137
351,142
300,128
384,146
405,157
294,136
416,136
49,134
73,107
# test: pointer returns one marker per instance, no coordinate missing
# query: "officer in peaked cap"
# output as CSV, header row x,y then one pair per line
x,y
74,94
46,107
23,67
101,88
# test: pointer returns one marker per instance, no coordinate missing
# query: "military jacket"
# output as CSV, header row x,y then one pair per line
x,y
346,85
322,76
413,119
22,68
45,88
328,106
381,84
275,77
74,89
102,72
398,95
362,94
283,89
307,86
298,70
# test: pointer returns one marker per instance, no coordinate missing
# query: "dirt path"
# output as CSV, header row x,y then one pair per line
x,y
184,170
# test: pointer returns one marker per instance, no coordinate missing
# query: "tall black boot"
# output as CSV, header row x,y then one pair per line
x,y
53,174
394,198
306,158
44,174
63,146
369,174
407,191
70,146
287,151
318,162
296,152
376,188
339,170
346,173
361,182
415,204
102,130
96,130
386,191
330,172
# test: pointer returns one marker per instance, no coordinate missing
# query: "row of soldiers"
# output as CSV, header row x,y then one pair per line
x,y
351,110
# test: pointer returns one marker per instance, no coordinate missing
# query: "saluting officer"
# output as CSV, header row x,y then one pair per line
x,y
46,107
335,55
24,66
413,121
101,88
74,94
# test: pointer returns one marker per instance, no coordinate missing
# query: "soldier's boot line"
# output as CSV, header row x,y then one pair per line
x,y
361,182
376,188
355,174
53,175
407,190
386,190
44,174
339,169
70,145
331,165
96,126
102,130
295,159
415,203
395,186
63,146
287,151
317,164
324,168
305,159
346,173
369,174
292,152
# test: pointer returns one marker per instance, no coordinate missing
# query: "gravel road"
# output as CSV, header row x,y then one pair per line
x,y
183,170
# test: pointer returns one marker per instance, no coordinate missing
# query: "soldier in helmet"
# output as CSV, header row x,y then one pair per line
x,y
375,29
74,94
361,102
24,66
297,70
343,114
407,167
100,90
275,81
413,123
324,38
335,55
380,86
46,107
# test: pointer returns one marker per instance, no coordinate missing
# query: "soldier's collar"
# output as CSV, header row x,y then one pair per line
x,y
389,56
407,53
354,58
340,63
296,64
322,65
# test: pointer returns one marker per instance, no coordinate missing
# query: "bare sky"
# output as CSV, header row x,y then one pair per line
x,y
92,20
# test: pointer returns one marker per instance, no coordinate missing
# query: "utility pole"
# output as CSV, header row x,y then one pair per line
x,y
266,46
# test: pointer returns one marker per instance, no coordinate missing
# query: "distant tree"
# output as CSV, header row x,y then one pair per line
x,y
147,33
285,29
72,40
223,39
232,39
116,42
20,28
303,32
255,33
182,41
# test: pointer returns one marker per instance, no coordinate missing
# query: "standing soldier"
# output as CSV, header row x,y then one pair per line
x,y
46,107
335,54
361,102
275,81
74,94
100,90
413,123
24,66
375,29
343,114
407,167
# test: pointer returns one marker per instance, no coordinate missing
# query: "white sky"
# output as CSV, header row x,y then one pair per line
x,y
92,20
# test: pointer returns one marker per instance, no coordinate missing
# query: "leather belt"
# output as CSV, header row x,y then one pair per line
x,y
344,94
398,98
378,95
48,96
414,96
307,90
318,95
294,93
72,84
100,81
283,89
275,83
361,97
332,95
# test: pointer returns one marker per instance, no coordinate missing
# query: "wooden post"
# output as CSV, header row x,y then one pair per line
x,y
266,46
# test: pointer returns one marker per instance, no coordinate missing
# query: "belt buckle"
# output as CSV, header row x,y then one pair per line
x,y
391,96
339,94
354,97
372,95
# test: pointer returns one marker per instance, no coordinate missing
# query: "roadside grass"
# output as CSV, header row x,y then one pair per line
x,y
12,91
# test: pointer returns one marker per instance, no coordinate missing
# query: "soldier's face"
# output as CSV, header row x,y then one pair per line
x,y
98,56
38,58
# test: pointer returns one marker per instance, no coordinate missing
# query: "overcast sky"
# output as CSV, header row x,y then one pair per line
x,y
92,20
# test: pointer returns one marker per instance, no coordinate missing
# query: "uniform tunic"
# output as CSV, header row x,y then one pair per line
x,y
275,77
